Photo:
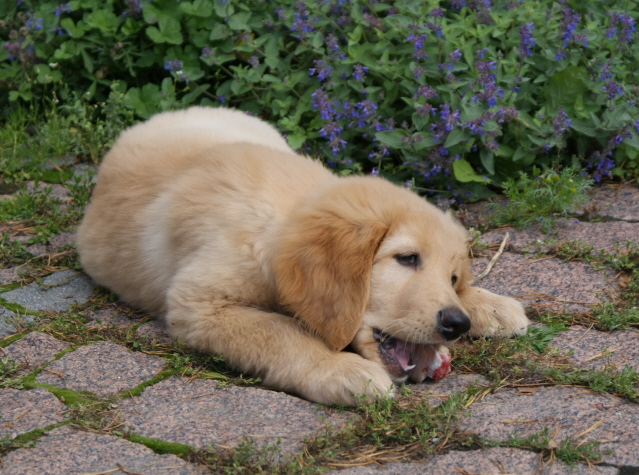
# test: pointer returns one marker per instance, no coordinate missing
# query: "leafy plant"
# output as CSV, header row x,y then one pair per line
x,y
433,94
541,197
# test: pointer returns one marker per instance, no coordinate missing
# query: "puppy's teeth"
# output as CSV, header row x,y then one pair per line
x,y
408,368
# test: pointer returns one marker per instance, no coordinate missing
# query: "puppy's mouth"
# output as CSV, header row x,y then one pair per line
x,y
412,360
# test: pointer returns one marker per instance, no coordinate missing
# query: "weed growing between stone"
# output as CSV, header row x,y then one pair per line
x,y
405,427
542,197
527,360
8,368
543,442
26,440
623,312
610,380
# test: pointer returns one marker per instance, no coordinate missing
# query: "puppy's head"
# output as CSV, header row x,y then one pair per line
x,y
368,263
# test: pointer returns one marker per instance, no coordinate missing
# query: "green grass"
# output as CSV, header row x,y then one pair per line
x,y
31,139
566,450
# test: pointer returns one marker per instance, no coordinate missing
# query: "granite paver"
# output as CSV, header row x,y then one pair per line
x,y
547,284
65,451
11,323
102,368
615,202
9,275
436,392
6,319
566,412
155,330
24,411
57,292
197,413
107,316
498,460
33,350
589,348
606,236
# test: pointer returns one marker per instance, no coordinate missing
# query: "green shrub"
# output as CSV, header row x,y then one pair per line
x,y
424,92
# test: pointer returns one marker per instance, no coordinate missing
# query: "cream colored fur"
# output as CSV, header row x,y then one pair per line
x,y
207,219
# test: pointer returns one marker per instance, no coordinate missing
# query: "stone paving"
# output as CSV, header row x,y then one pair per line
x,y
204,413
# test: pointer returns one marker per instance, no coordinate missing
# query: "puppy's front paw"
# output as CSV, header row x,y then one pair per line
x,y
493,315
347,379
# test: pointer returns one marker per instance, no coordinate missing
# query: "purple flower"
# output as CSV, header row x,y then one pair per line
x,y
322,70
331,43
301,21
425,92
612,89
207,52
359,71
173,66
448,121
424,110
527,42
373,21
479,54
62,8
254,61
627,27
486,81
560,122
454,56
418,71
33,23
281,14
604,72
569,21
13,48
331,131
602,165
436,28
322,104
134,9
418,41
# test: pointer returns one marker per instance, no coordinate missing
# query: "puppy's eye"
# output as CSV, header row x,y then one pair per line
x,y
407,259
453,279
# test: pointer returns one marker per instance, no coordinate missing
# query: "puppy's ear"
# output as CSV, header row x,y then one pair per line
x,y
324,261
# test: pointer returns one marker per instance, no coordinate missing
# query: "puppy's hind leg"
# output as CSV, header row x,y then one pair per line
x,y
275,348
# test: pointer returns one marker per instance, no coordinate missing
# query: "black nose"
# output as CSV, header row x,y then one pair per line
x,y
452,323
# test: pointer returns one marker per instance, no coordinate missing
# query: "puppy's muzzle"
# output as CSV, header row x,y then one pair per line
x,y
452,323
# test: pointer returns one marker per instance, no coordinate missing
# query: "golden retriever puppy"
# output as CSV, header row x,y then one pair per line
x,y
208,219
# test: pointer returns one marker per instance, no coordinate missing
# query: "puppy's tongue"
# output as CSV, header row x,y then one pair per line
x,y
403,354
414,360
431,361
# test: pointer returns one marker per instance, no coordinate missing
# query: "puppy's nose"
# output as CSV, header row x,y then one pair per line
x,y
452,323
